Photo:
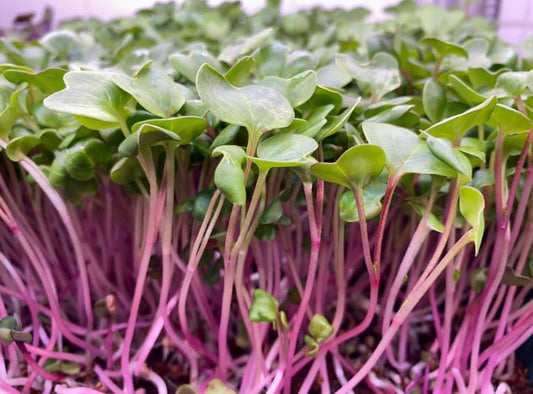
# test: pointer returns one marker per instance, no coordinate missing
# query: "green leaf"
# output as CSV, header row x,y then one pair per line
x,y
295,24
529,80
381,73
355,168
5,336
48,118
434,100
188,65
320,328
323,97
512,84
226,135
471,206
78,161
53,365
233,52
483,77
270,60
201,203
153,89
240,72
79,165
297,89
284,150
509,120
216,386
265,232
436,22
477,49
514,144
256,107
405,152
444,48
49,138
478,278
372,195
10,323
179,131
92,97
11,330
49,80
18,147
392,114
11,113
335,123
456,126
313,344
125,171
332,76
443,150
98,151
432,221
264,308
272,213
58,173
229,176
465,92
483,178
62,43
316,120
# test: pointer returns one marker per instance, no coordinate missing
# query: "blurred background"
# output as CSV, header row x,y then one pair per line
x,y
513,17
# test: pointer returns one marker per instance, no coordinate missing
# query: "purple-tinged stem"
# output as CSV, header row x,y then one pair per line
x,y
315,234
408,305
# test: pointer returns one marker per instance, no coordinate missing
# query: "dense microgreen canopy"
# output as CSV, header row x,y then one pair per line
x,y
171,181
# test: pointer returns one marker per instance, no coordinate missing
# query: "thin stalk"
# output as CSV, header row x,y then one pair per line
x,y
408,305
62,210
497,264
315,234
229,268
149,242
166,244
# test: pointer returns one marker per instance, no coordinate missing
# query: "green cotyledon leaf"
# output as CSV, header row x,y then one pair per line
x,y
49,80
405,151
372,195
256,107
297,89
509,120
264,308
355,168
444,48
92,97
188,65
240,74
471,206
320,328
152,88
284,150
180,131
443,150
18,147
229,175
381,73
434,100
456,126
233,52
